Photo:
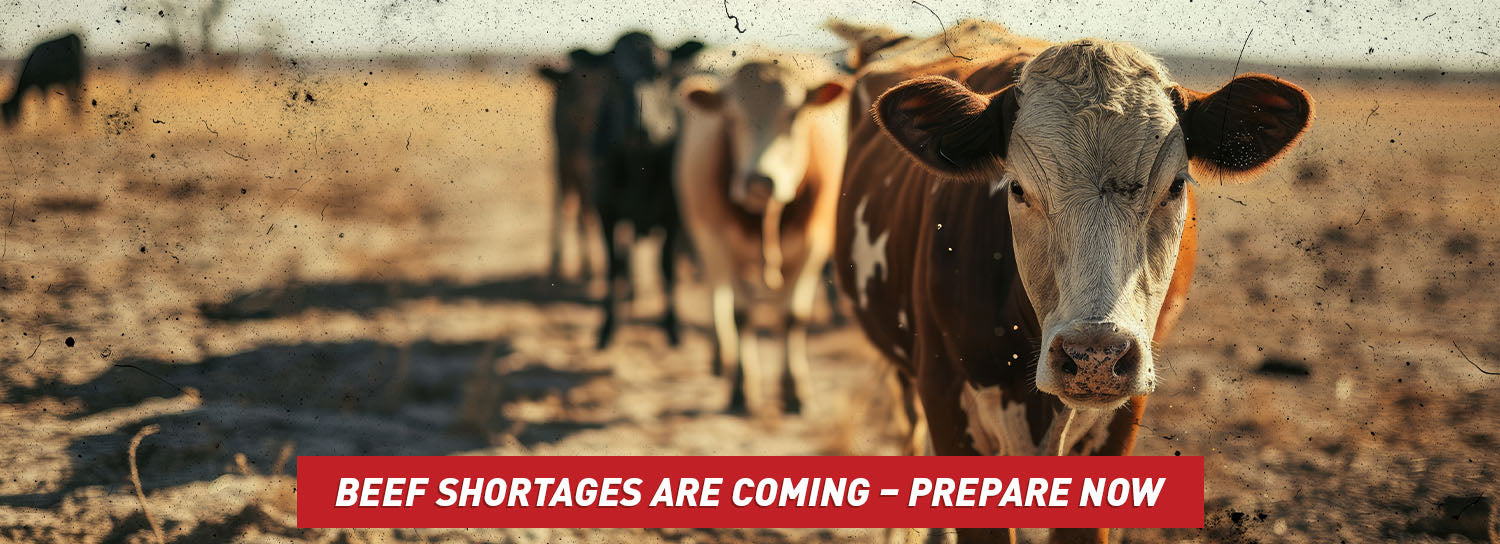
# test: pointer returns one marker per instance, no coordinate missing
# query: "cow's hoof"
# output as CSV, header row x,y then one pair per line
x,y
606,334
669,325
737,406
792,404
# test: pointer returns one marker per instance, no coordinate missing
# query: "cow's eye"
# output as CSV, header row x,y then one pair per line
x,y
1016,192
1178,184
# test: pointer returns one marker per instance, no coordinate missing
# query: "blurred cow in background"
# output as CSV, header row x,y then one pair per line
x,y
632,157
53,63
159,58
758,176
580,89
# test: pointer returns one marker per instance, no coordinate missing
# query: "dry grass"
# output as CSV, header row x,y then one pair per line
x,y
135,479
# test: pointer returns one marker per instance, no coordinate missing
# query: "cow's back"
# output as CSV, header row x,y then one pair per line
x,y
55,61
889,199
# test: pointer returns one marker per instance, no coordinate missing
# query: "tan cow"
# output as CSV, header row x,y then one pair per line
x,y
1018,228
758,172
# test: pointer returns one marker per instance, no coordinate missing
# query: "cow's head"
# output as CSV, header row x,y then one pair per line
x,y
764,108
1092,147
636,57
582,62
643,75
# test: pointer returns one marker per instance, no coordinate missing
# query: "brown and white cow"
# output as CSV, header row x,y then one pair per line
x,y
1018,228
758,171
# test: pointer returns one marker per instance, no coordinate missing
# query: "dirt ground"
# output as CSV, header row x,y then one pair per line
x,y
297,261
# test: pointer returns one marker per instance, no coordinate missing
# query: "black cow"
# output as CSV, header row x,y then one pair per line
x,y
53,63
632,149
580,88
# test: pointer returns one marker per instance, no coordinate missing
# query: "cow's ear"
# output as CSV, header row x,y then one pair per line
x,y
686,51
1244,127
551,74
584,57
827,92
700,92
705,99
950,129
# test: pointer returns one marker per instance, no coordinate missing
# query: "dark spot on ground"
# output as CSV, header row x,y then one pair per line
x,y
1283,368
1461,244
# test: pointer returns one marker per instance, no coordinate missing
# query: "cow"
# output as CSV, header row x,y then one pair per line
x,y
758,174
159,58
54,63
1018,228
632,155
579,90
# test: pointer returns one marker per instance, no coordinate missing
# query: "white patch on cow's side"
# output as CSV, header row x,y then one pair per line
x,y
866,254
997,427
1000,428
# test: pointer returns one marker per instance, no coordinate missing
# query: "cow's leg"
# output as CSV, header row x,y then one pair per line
x,y
559,205
911,409
1079,536
726,328
939,384
74,92
617,263
627,293
668,280
795,380
835,312
745,395
587,230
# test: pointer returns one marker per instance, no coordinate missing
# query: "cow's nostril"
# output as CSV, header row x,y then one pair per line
x,y
1068,366
1128,362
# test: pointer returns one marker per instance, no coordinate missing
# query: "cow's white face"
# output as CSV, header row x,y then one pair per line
x,y
1092,148
763,108
1097,196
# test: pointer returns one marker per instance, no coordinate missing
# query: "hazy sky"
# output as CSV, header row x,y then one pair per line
x,y
1451,34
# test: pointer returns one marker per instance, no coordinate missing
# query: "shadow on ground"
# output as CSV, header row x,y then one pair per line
x,y
356,398
365,296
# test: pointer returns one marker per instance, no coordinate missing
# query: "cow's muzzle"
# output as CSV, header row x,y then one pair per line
x,y
1097,365
755,192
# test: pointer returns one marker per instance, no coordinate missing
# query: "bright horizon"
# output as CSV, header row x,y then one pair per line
x,y
1446,34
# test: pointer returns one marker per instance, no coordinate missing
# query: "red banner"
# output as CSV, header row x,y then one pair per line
x,y
751,492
